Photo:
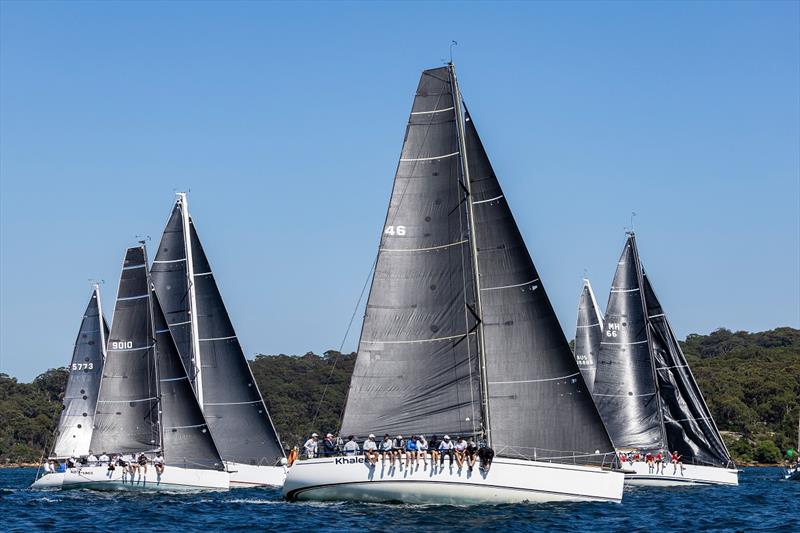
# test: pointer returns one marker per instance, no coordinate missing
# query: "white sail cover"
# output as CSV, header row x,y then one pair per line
x,y
74,432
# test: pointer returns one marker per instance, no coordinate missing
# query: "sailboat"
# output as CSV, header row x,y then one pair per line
x,y
459,338
793,471
646,392
589,331
210,350
146,403
74,431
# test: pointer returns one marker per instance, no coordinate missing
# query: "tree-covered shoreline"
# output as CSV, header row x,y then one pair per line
x,y
751,382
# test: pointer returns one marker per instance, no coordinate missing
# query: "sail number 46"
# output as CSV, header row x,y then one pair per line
x,y
395,230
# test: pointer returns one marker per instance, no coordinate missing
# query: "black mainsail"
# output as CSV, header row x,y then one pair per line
x,y
209,347
644,388
74,433
146,401
588,334
444,350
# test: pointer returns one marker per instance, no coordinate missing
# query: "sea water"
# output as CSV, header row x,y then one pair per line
x,y
763,501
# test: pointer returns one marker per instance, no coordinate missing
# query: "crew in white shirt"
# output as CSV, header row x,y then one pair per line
x,y
310,446
445,448
371,449
92,459
104,459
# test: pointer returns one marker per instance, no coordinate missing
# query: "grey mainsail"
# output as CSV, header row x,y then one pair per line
x,y
689,426
644,388
187,440
209,346
443,350
588,334
126,419
74,433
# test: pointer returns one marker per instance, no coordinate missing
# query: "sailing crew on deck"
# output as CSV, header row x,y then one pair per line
x,y
460,449
471,454
92,459
676,459
71,462
158,462
133,466
422,449
370,449
398,449
142,461
650,460
328,446
411,450
386,448
445,449
659,463
104,459
433,446
351,446
310,447
485,454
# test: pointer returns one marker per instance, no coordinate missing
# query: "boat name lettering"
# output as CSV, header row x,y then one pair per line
x,y
348,460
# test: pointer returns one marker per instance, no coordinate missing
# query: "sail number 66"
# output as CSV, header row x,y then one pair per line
x,y
395,230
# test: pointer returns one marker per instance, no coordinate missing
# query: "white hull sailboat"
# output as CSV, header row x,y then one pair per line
x,y
507,481
459,338
646,392
74,431
673,475
173,478
209,347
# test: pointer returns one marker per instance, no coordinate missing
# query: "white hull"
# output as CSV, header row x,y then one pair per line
x,y
670,476
173,479
508,481
243,476
52,480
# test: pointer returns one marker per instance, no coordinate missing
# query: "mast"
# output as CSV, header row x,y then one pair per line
x,y
153,341
474,249
197,376
100,320
640,278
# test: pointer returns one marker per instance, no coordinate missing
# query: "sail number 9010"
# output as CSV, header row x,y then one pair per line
x,y
121,345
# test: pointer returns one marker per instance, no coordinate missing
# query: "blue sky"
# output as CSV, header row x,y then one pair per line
x,y
286,122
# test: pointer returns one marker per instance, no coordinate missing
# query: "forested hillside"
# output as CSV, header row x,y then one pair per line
x,y
751,382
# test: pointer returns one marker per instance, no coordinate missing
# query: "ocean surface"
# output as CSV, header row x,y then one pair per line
x,y
762,502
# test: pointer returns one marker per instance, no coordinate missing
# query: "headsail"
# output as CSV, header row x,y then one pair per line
x,y
231,401
74,432
588,334
689,427
540,406
624,387
417,365
126,419
187,440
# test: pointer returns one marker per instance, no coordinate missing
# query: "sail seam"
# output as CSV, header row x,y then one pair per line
x,y
131,349
624,290
509,286
419,340
431,112
669,367
233,403
589,326
217,338
656,316
625,395
185,427
133,298
174,379
180,323
133,267
533,380
204,274
423,249
169,260
161,331
625,343
128,401
404,159
489,200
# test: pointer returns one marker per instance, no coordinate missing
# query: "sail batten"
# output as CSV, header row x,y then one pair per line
x,y
74,432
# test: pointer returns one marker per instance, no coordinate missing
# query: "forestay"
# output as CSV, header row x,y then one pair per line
x,y
74,433
588,334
